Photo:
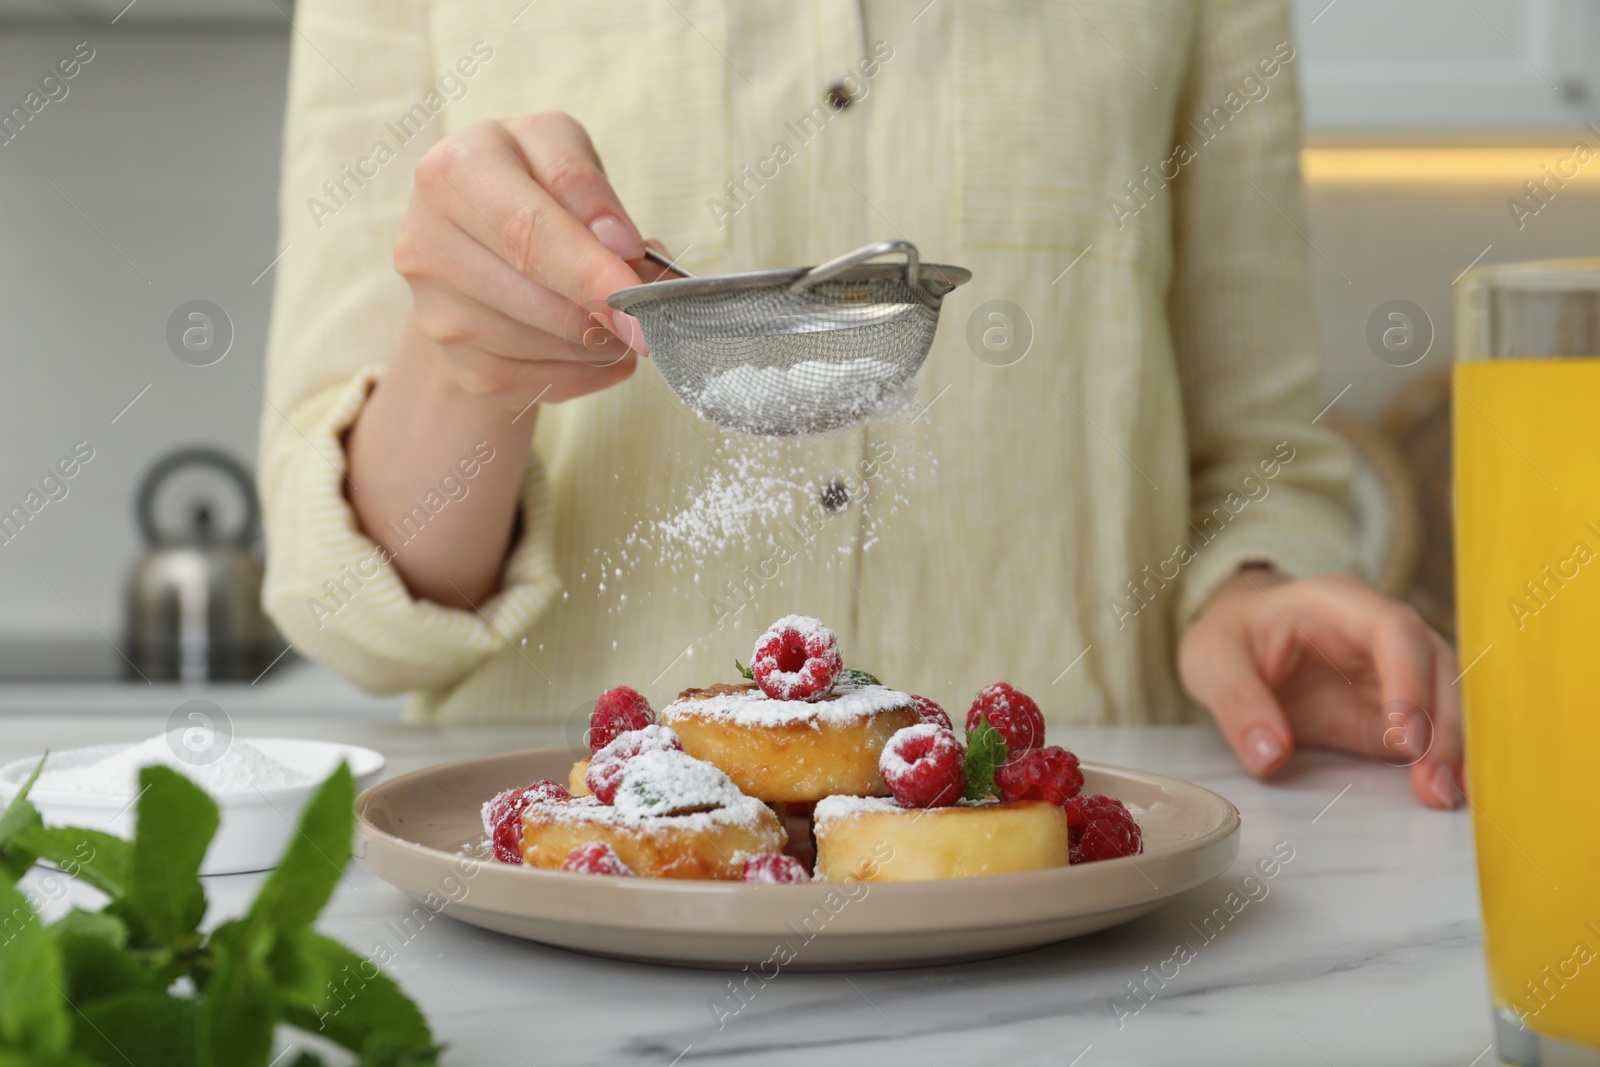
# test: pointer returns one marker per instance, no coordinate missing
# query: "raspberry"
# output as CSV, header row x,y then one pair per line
x,y
502,816
1040,774
773,868
1101,828
597,857
605,769
617,711
931,712
797,659
1013,713
921,765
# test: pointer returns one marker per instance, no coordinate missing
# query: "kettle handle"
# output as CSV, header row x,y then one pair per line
x,y
197,456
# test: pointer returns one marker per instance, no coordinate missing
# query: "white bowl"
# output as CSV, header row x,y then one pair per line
x,y
256,826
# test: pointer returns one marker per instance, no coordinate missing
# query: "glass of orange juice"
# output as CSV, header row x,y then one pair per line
x,y
1526,413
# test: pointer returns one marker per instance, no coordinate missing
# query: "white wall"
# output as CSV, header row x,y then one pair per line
x,y
168,144
1410,243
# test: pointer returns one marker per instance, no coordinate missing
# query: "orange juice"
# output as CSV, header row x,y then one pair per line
x,y
1527,496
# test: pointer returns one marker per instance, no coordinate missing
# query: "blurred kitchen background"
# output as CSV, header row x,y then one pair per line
x,y
153,182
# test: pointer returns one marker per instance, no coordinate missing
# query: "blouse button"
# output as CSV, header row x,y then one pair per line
x,y
835,495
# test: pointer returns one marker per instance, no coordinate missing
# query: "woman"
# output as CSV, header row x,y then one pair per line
x,y
462,459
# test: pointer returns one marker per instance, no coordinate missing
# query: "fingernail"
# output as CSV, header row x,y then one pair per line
x,y
1444,786
628,329
617,236
1262,748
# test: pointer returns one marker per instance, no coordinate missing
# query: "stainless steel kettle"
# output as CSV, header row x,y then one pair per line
x,y
194,598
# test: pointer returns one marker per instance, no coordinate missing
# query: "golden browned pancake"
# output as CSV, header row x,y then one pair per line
x,y
578,779
792,750
673,816
877,840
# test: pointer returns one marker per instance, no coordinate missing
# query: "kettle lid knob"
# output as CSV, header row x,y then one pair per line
x,y
201,517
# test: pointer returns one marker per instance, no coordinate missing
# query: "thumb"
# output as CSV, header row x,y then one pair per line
x,y
1220,673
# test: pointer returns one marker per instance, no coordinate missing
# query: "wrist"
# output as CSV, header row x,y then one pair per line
x,y
1250,578
420,368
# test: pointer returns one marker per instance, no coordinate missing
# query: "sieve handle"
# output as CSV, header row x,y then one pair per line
x,y
660,258
835,267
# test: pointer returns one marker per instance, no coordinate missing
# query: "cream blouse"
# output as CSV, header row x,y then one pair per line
x,y
1117,412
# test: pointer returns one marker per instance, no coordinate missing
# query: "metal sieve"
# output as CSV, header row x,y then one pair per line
x,y
797,351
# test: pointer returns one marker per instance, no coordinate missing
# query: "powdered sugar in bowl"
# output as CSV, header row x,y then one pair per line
x,y
261,785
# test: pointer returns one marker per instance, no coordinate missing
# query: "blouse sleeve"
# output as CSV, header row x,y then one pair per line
x,y
364,103
1268,484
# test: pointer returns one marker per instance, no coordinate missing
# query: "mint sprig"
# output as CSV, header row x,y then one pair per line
x,y
855,676
139,982
986,752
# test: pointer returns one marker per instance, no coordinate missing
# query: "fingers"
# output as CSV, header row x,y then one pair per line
x,y
563,161
452,320
1219,670
524,381
1334,614
1328,709
483,182
1349,626
1402,649
1417,722
444,262
463,292
1437,779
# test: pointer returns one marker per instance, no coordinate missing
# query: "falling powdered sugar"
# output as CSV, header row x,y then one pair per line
x,y
772,497
243,768
757,516
734,500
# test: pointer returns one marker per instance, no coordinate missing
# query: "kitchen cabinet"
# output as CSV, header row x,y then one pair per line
x,y
145,11
1447,67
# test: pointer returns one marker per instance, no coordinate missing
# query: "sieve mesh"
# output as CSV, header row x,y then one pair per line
x,y
781,353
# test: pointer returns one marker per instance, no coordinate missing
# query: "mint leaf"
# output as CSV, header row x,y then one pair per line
x,y
852,676
103,860
176,821
33,1010
745,672
986,751
96,988
358,1006
93,959
310,868
19,816
241,1005
145,1028
94,925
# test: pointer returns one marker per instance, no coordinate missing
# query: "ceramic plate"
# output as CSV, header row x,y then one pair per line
x,y
422,832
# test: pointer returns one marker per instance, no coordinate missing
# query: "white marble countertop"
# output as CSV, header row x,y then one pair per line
x,y
1366,948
